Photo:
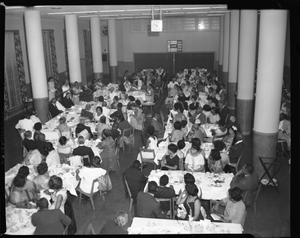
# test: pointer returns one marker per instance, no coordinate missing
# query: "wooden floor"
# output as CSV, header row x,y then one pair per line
x,y
273,208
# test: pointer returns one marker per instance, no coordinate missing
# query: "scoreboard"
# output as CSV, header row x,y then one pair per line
x,y
174,45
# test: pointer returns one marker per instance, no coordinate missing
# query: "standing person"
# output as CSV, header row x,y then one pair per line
x,y
76,93
108,146
65,88
223,111
135,178
49,222
116,225
51,88
147,205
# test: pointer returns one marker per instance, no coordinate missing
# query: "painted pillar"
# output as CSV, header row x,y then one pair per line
x,y
36,60
96,47
226,48
112,46
233,60
272,34
246,72
221,49
73,48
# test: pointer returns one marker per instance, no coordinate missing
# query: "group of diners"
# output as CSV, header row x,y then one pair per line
x,y
189,200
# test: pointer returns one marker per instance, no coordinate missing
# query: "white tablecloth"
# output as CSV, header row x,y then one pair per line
x,y
204,180
207,127
18,221
168,226
140,95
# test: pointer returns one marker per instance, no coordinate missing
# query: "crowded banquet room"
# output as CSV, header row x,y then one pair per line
x,y
147,119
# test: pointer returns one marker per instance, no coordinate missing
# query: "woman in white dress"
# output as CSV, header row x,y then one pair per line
x,y
57,192
51,88
65,88
76,92
194,160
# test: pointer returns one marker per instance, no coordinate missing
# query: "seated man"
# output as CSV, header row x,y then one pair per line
x,y
28,143
54,111
164,192
232,122
86,112
59,105
81,127
135,178
223,110
115,114
147,205
83,150
41,144
237,149
105,109
247,180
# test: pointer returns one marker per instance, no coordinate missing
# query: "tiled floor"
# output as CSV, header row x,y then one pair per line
x,y
273,208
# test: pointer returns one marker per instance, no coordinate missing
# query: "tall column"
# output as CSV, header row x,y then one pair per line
x,y
246,72
233,60
221,48
36,60
73,48
272,34
112,46
96,48
226,49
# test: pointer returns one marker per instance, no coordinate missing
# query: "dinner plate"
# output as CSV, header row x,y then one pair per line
x,y
210,228
151,224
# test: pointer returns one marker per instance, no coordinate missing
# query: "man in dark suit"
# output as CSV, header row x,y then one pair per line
x,y
27,142
232,122
247,180
54,111
41,144
164,192
237,149
135,178
83,150
80,127
147,205
223,110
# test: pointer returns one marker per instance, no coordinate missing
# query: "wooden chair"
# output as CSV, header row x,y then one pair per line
x,y
91,194
171,203
86,157
253,205
147,156
282,143
129,131
129,193
66,230
89,230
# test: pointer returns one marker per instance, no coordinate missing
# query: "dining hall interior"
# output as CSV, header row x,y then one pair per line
x,y
94,69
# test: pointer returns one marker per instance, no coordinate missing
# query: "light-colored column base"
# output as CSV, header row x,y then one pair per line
x,y
41,106
113,74
264,145
245,115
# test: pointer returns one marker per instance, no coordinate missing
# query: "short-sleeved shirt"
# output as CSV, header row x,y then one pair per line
x,y
172,162
234,211
195,162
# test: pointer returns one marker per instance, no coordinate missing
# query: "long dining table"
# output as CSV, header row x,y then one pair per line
x,y
169,226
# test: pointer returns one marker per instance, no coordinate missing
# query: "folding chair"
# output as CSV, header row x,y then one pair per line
x,y
91,194
88,159
89,230
147,156
170,200
129,193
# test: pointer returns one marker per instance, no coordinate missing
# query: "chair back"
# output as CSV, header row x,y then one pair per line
x,y
89,230
127,187
66,230
85,157
128,132
244,219
238,162
170,200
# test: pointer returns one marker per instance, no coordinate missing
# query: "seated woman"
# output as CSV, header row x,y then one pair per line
x,y
76,90
67,101
34,157
137,118
221,131
86,175
178,107
107,154
213,117
18,196
49,222
97,114
219,145
101,126
29,185
191,202
184,128
64,150
214,162
194,160
115,102
235,208
150,93
170,161
64,129
177,134
41,181
52,158
57,192
116,225
37,130
228,139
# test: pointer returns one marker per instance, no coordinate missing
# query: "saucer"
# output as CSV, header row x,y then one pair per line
x,y
210,228
14,229
151,224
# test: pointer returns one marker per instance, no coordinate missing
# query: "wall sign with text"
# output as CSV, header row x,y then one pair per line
x,y
174,45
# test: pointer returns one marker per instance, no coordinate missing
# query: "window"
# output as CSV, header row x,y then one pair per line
x,y
203,23
189,24
11,72
215,23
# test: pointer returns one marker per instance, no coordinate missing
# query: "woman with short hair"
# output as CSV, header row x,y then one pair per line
x,y
194,160
57,193
37,130
63,128
41,181
170,161
101,126
214,162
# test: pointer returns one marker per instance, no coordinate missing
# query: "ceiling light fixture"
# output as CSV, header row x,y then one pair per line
x,y
137,10
195,8
163,9
174,13
212,15
57,13
194,12
219,7
86,12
